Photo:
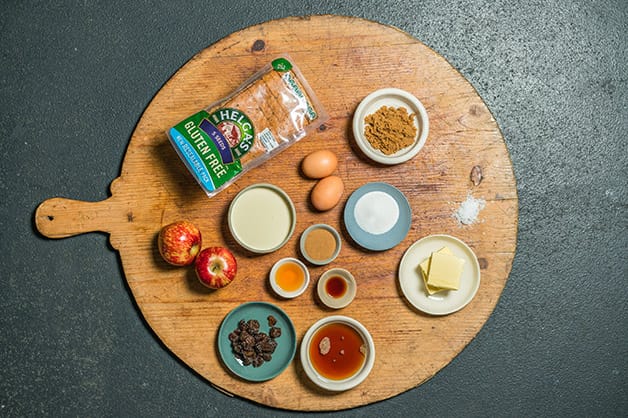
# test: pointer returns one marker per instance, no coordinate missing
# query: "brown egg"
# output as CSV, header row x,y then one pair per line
x,y
319,164
327,192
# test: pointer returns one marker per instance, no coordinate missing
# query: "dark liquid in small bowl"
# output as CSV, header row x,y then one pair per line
x,y
336,287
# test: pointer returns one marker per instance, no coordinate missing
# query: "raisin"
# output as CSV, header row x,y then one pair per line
x,y
253,324
275,332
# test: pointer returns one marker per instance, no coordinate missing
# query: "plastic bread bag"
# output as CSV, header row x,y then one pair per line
x,y
269,112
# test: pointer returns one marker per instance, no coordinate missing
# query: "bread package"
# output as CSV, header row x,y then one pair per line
x,y
268,113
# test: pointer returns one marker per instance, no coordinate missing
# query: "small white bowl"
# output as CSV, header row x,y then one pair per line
x,y
344,384
278,289
309,257
391,97
336,302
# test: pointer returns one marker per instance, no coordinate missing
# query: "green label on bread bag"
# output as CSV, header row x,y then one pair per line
x,y
281,65
212,144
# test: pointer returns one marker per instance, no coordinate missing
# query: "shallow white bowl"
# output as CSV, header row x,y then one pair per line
x,y
344,384
304,238
262,218
391,97
330,301
273,278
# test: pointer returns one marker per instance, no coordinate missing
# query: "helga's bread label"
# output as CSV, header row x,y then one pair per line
x,y
268,113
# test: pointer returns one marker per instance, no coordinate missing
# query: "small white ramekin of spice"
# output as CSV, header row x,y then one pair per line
x,y
390,126
320,244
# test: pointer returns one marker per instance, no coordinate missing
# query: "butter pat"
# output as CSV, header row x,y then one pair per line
x,y
425,268
444,271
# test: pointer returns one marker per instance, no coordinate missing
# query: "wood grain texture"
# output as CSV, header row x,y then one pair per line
x,y
344,59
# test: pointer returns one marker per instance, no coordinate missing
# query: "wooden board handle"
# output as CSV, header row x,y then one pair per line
x,y
61,218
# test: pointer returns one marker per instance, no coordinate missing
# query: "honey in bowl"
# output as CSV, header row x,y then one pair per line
x,y
336,287
290,277
337,351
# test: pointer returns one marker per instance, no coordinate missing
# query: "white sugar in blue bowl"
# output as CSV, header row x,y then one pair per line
x,y
377,216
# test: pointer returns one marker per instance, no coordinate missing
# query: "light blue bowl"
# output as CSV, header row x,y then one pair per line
x,y
286,343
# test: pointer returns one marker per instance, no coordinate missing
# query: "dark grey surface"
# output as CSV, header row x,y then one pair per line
x,y
75,78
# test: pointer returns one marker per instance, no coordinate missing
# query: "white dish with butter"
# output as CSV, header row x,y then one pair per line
x,y
443,302
262,218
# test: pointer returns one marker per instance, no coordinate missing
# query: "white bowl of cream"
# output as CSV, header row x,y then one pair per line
x,y
262,218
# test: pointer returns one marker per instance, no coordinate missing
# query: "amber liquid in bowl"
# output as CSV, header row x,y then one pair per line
x,y
346,356
336,287
290,277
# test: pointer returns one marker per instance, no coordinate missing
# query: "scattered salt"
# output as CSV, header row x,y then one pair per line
x,y
469,210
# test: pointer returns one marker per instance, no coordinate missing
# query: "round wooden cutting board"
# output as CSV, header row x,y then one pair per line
x,y
344,59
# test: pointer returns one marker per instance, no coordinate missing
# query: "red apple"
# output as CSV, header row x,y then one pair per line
x,y
179,243
216,267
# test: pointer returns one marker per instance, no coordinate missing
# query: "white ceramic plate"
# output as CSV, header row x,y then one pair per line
x,y
441,303
391,97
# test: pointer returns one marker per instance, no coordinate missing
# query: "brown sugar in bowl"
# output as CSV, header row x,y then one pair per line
x,y
393,98
320,244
